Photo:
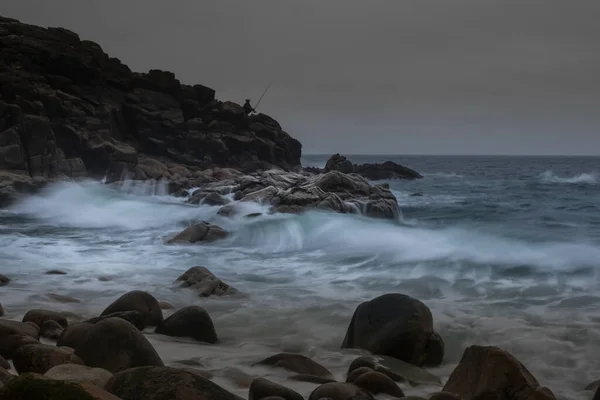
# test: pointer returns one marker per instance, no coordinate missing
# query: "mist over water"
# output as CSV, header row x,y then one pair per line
x,y
503,250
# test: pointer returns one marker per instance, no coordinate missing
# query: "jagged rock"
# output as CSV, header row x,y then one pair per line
x,y
38,317
115,345
296,363
396,325
374,172
163,383
205,283
33,386
191,321
490,372
140,301
200,232
40,358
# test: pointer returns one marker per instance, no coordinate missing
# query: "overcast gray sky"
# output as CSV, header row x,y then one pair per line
x,y
389,77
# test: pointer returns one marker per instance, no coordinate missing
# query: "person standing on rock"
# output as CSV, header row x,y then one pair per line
x,y
248,108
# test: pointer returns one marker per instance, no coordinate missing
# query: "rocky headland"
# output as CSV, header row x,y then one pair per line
x,y
69,111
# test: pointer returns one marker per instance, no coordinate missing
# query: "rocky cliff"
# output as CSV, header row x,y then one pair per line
x,y
67,109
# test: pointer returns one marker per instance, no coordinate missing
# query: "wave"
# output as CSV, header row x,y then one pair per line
x,y
318,237
585,178
450,175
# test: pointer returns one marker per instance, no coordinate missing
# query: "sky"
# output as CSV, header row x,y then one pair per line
x,y
518,77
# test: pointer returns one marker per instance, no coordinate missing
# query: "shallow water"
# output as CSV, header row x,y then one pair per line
x,y
503,250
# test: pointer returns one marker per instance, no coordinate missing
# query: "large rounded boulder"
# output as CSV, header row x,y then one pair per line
x,y
140,301
33,386
79,373
74,335
297,363
262,388
488,372
9,344
396,325
115,345
191,321
339,391
163,383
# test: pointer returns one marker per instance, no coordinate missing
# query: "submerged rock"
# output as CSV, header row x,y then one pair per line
x,y
374,172
205,283
200,232
296,363
490,372
4,280
191,321
396,325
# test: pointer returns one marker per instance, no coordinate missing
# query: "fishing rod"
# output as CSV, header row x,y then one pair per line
x,y
256,106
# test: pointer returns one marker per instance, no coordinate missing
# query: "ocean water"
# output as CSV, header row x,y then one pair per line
x,y
505,251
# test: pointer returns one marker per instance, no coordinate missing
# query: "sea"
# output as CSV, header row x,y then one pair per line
x,y
505,251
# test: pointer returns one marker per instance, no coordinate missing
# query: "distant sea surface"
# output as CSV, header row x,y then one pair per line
x,y
504,250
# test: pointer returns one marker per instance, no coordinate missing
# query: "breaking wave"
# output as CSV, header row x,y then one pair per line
x,y
585,178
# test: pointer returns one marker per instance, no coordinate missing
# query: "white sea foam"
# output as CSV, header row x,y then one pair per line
x,y
585,178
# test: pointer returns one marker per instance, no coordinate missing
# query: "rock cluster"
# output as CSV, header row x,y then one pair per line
x,y
373,172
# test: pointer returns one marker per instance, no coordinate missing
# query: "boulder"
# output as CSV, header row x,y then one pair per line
x,y
55,272
490,372
79,373
200,232
39,358
74,335
339,391
387,170
396,325
444,396
33,386
4,280
376,383
205,283
163,383
191,321
165,305
310,378
140,301
62,298
10,343
135,318
38,317
51,330
355,373
262,388
115,345
296,363
8,327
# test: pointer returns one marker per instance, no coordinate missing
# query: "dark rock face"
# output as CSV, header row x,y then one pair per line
x,y
191,321
40,358
205,283
395,325
373,172
115,345
487,372
163,383
75,335
296,363
140,301
69,110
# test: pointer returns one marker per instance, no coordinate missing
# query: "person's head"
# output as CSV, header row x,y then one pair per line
x,y
247,100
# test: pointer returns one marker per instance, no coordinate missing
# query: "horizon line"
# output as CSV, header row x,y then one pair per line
x,y
450,155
